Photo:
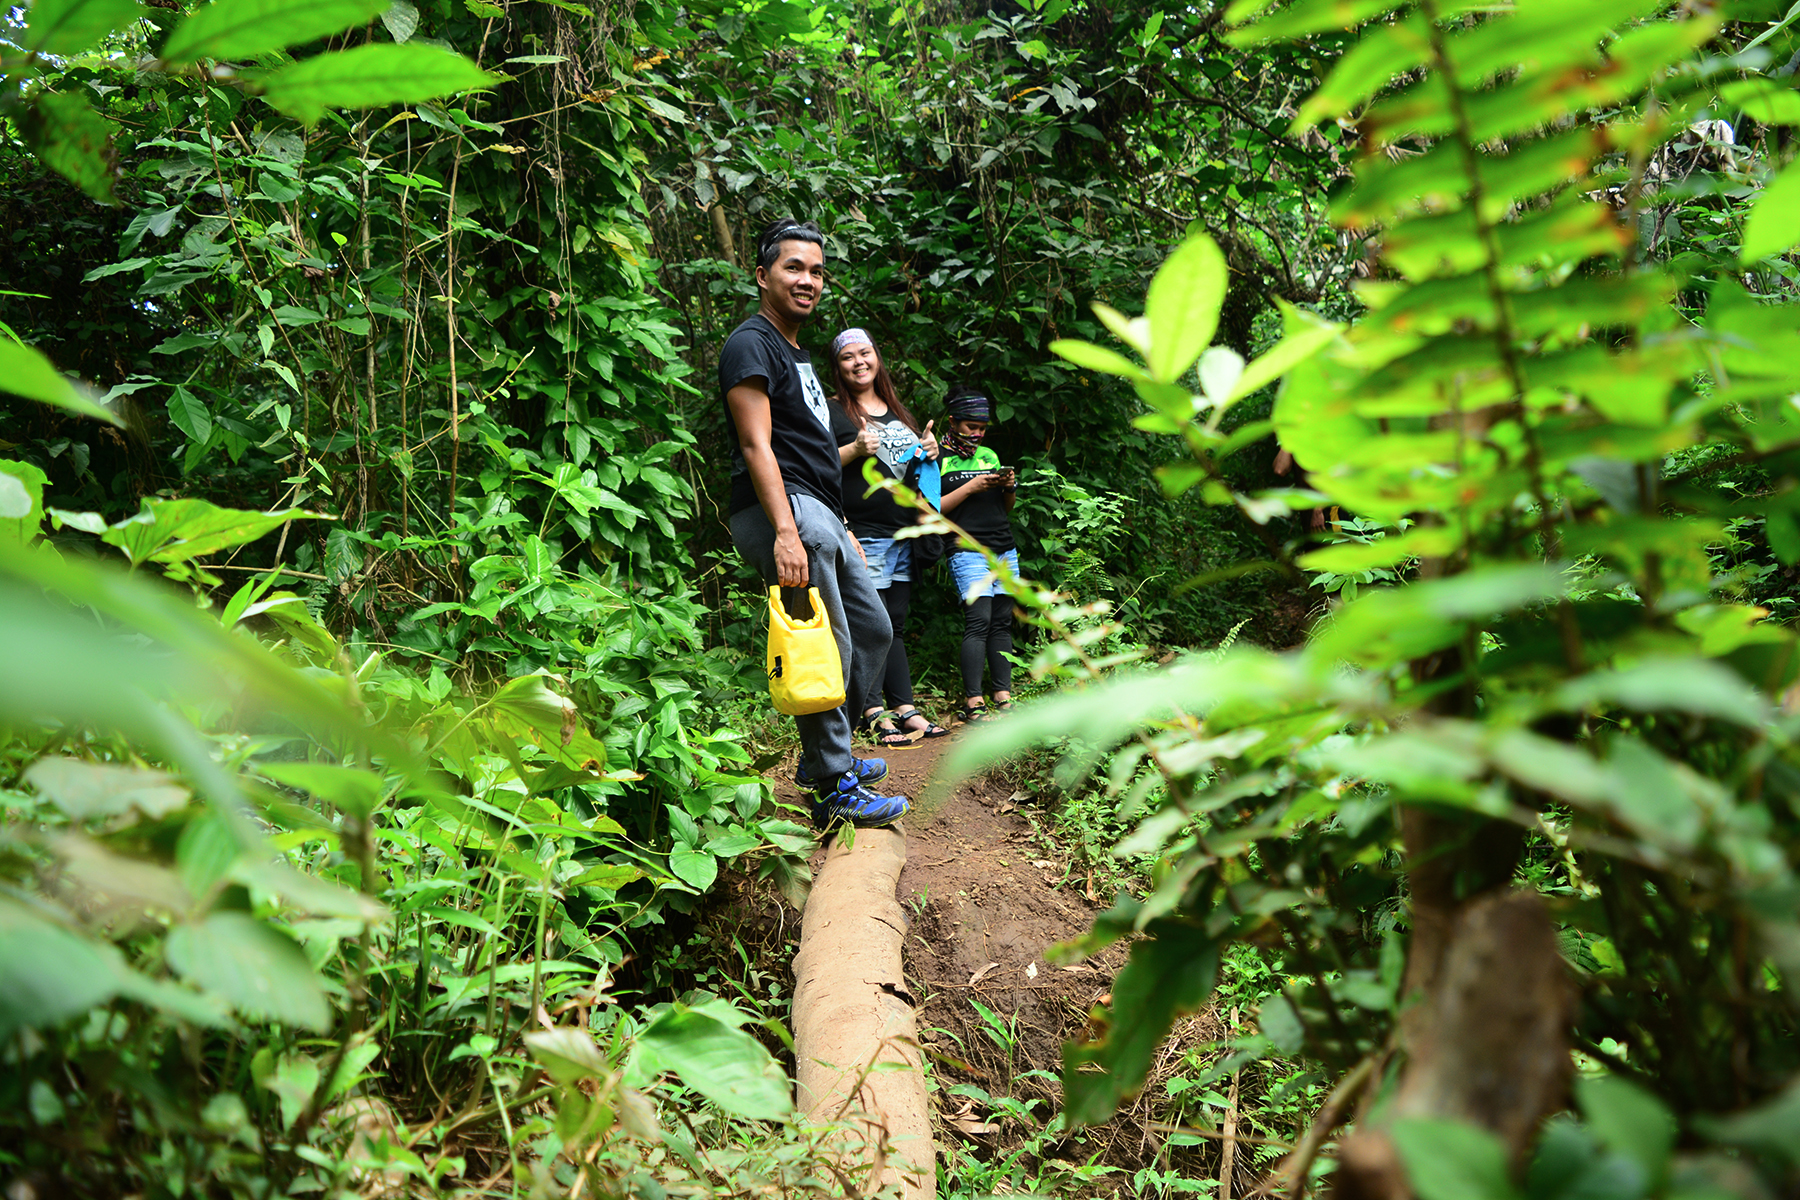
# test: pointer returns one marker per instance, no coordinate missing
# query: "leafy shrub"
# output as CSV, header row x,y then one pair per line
x,y
1558,699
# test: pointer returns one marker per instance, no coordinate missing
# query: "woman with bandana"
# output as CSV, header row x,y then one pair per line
x,y
870,422
978,494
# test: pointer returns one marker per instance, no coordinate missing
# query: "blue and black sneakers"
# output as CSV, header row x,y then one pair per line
x,y
867,770
850,803
847,800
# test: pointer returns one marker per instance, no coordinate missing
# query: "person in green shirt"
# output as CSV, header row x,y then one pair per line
x,y
978,494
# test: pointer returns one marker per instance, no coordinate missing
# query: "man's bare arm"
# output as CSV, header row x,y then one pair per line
x,y
749,405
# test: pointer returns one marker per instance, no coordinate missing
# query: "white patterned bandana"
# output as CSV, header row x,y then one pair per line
x,y
850,337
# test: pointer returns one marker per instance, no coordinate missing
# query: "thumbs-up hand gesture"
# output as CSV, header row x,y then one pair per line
x,y
869,440
928,441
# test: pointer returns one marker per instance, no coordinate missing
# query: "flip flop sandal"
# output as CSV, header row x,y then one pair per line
x,y
880,728
932,728
973,716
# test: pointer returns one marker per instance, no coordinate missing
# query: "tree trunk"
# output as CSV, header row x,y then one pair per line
x,y
855,1035
1486,1039
722,234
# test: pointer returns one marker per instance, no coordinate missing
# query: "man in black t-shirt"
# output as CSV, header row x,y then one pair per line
x,y
787,511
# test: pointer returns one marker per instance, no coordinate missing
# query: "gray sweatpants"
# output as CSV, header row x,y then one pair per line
x,y
857,618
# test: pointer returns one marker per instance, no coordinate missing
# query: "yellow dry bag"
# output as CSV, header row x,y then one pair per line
x,y
805,673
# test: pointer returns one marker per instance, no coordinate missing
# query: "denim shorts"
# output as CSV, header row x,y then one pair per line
x,y
969,569
890,560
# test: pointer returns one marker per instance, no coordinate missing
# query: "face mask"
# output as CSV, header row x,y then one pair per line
x,y
960,444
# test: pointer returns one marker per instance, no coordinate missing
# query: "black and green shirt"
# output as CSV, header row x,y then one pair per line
x,y
984,513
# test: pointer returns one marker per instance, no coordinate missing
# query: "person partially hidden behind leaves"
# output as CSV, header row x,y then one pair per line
x,y
870,422
978,495
787,512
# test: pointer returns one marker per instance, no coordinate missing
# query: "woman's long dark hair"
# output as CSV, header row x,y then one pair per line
x,y
884,388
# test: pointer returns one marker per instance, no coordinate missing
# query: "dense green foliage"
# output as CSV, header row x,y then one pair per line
x,y
1565,692
375,650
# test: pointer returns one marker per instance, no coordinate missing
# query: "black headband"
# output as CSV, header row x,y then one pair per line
x,y
971,406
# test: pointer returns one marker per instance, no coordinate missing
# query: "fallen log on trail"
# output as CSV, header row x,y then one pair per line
x,y
855,1033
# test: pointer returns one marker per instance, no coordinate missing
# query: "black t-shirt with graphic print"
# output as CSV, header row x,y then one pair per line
x,y
876,516
799,418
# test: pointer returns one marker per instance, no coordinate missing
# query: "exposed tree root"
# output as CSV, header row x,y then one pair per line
x,y
855,1032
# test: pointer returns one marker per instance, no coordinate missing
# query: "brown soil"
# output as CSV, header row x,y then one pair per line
x,y
986,898
1287,618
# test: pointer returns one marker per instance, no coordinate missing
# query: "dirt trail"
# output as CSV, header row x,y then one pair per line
x,y
985,898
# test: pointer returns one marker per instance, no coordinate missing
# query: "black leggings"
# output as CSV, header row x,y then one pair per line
x,y
896,681
987,633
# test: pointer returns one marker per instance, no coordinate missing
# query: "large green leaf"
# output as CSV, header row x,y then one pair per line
x,y
190,414
1540,37
1694,685
260,971
47,973
16,504
568,1054
1764,100
183,1003
1771,1128
1183,305
25,372
21,502
69,26
60,665
369,76
1774,223
1170,972
1097,358
1109,710
85,789
1628,1120
355,791
696,868
173,531
1298,20
527,707
241,29
726,1065
1304,336
292,1078
1451,1160
1366,68
1404,623
609,876
73,140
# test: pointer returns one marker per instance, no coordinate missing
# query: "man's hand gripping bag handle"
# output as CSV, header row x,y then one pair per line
x,y
805,673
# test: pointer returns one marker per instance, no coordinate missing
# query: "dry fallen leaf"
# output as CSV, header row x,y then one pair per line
x,y
1043,864
982,974
1031,970
965,1119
